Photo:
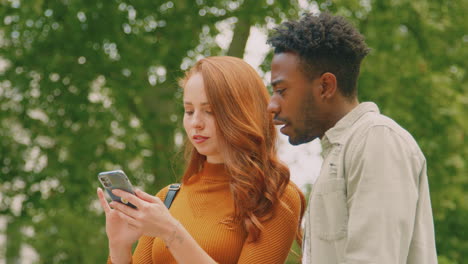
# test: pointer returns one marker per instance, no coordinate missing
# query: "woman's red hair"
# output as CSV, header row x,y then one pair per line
x,y
239,99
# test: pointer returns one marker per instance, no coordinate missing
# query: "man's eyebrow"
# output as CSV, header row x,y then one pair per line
x,y
276,82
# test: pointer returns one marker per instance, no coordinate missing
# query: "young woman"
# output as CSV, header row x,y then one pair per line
x,y
236,203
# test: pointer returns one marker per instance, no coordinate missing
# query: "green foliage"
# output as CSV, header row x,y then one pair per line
x,y
92,85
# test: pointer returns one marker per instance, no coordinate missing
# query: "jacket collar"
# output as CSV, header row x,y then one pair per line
x,y
334,134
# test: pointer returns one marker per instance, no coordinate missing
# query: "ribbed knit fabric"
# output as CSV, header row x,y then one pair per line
x,y
204,206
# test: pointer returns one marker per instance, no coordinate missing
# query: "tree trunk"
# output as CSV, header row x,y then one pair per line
x,y
13,242
240,37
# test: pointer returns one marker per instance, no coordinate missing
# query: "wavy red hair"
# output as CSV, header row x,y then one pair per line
x,y
239,99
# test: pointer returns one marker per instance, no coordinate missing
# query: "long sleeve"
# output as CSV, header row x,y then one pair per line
x,y
204,206
143,250
371,202
278,234
142,254
382,196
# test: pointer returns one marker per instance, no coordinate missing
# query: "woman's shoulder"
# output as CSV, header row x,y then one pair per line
x,y
292,198
291,193
163,192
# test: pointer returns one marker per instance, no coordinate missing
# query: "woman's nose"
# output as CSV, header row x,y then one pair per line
x,y
197,121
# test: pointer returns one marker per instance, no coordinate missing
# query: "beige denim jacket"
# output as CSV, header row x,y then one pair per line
x,y
370,203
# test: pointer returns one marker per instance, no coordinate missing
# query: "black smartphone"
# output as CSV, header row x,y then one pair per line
x,y
116,179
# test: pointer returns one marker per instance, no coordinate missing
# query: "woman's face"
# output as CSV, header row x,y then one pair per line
x,y
199,122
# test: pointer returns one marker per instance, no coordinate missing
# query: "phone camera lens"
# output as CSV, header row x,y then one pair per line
x,y
105,181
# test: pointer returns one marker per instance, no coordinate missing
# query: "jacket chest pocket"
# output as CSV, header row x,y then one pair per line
x,y
330,210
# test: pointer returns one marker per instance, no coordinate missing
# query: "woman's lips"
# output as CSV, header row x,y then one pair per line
x,y
199,139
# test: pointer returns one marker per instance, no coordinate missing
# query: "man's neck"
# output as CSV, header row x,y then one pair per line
x,y
340,109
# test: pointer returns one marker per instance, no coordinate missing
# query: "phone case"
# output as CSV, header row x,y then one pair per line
x,y
116,179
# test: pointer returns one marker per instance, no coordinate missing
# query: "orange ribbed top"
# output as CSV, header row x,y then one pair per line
x,y
205,207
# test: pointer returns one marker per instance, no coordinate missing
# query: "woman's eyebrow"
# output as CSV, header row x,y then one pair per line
x,y
190,103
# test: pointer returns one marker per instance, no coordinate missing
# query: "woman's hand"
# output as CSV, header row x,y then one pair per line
x,y
121,235
151,217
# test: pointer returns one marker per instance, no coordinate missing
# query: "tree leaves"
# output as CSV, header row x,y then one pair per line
x,y
87,86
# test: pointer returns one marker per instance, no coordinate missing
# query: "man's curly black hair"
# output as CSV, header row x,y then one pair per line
x,y
324,43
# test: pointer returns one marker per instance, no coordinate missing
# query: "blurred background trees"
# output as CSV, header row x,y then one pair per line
x,y
87,86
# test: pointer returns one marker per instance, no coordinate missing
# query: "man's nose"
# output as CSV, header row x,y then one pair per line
x,y
273,106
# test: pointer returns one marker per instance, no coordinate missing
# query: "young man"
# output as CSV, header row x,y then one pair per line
x,y
371,202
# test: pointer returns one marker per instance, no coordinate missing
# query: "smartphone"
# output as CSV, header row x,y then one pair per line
x,y
116,179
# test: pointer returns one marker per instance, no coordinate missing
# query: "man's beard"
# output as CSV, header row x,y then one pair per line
x,y
301,138
309,121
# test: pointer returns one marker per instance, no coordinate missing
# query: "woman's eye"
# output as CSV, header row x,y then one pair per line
x,y
188,112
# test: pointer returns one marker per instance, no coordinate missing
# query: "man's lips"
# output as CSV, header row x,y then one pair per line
x,y
278,123
199,139
283,129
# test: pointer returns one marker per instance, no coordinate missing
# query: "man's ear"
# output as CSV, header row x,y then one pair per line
x,y
329,85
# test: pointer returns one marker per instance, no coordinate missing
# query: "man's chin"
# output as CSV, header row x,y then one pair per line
x,y
295,140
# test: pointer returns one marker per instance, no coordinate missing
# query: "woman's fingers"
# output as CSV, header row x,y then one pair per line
x,y
124,209
130,221
146,197
102,200
129,197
